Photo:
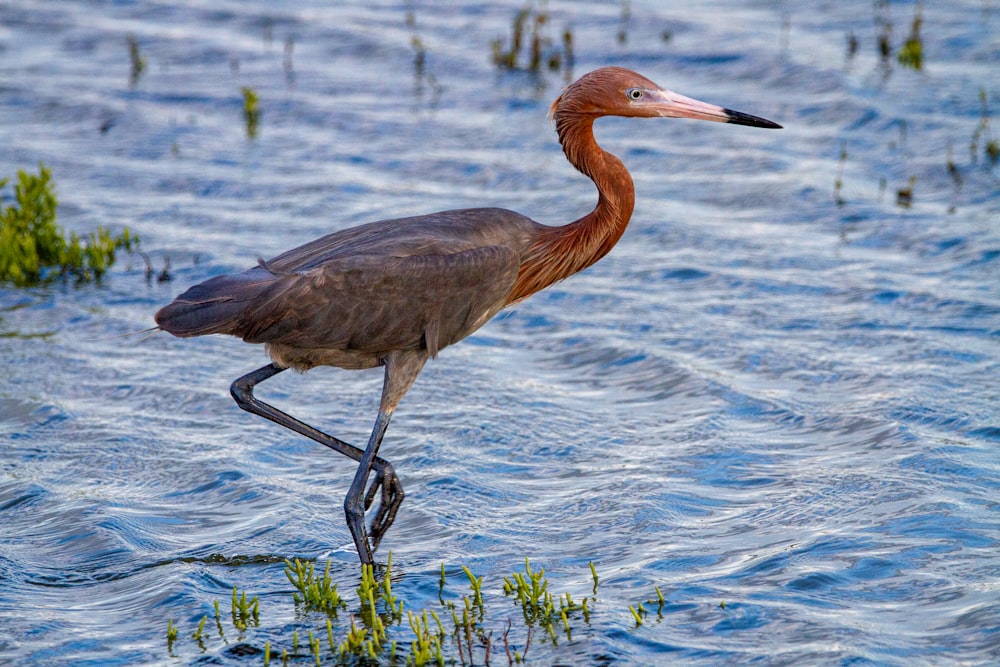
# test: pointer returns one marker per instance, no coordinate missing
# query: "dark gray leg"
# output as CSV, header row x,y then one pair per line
x,y
353,508
385,476
401,369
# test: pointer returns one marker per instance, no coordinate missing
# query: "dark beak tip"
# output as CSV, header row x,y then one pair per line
x,y
740,118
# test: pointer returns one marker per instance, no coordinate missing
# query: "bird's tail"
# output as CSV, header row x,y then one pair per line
x,y
216,305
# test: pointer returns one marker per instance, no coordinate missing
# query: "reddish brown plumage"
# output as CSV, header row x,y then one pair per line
x,y
395,292
307,311
559,252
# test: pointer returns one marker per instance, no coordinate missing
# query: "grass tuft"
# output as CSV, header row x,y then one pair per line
x,y
530,47
378,631
33,249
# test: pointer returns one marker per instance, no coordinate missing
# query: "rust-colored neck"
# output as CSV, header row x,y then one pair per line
x,y
559,252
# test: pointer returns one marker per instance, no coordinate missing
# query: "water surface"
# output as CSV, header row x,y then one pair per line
x,y
773,393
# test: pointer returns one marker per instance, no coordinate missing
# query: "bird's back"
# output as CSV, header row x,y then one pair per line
x,y
438,233
350,297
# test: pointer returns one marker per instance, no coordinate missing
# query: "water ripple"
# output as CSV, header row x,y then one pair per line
x,y
778,407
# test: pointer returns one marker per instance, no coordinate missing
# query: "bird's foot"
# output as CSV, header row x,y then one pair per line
x,y
387,485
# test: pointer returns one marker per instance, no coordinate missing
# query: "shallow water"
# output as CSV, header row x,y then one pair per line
x,y
763,396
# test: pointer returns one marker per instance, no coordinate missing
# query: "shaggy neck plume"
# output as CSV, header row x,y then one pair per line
x,y
562,251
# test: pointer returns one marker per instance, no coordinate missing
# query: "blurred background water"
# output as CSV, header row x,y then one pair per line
x,y
776,392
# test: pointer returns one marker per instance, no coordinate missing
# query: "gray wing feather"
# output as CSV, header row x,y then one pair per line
x,y
377,304
214,306
370,304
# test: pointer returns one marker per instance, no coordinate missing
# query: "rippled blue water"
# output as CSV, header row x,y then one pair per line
x,y
763,396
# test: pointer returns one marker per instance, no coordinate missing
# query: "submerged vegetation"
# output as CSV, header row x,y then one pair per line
x,y
531,48
912,52
904,195
991,146
420,72
138,62
911,55
375,627
34,249
251,110
838,184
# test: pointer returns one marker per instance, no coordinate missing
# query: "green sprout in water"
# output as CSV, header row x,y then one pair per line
x,y
953,168
659,602
218,620
172,633
991,147
538,605
885,36
639,611
245,612
476,583
251,110
426,647
993,150
912,53
198,634
838,183
135,57
315,593
904,196
623,21
33,248
637,614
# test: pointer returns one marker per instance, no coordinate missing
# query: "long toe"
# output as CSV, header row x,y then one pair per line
x,y
377,486
392,498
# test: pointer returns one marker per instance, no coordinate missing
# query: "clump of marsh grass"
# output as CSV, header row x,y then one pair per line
x,y
375,627
530,47
314,593
34,249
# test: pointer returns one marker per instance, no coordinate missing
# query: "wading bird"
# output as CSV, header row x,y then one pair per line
x,y
394,293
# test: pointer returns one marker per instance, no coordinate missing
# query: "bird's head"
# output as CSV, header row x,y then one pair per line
x,y
616,91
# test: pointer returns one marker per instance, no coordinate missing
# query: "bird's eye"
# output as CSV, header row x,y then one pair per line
x,y
634,93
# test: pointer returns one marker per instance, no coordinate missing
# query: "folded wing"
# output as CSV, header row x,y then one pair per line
x,y
367,303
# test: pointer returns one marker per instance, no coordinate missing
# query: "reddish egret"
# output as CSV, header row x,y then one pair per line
x,y
394,293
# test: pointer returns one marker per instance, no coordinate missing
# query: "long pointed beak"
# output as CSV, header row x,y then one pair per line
x,y
674,105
